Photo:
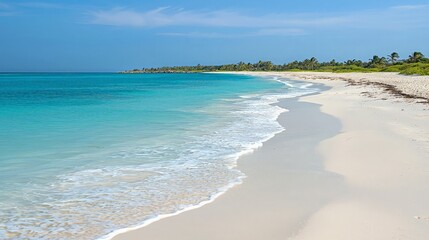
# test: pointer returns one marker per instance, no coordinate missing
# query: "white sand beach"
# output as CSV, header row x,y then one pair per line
x,y
353,163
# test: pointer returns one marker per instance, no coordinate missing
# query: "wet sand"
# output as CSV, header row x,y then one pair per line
x,y
351,164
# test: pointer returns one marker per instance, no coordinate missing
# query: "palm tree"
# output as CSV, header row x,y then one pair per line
x,y
268,66
313,63
242,66
353,62
393,57
415,57
376,61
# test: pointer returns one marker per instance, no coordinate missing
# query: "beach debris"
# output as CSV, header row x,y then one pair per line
x,y
421,217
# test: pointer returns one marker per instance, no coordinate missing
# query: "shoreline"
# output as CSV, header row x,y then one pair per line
x,y
346,192
225,189
287,103
118,232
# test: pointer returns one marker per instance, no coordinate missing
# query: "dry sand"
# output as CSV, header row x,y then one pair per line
x,y
409,86
353,163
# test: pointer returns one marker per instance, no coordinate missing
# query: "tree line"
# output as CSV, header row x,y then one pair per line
x,y
391,61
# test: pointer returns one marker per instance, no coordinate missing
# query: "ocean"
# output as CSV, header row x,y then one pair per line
x,y
89,155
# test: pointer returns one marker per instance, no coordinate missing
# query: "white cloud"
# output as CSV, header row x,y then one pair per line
x,y
39,5
16,9
260,32
6,10
411,7
199,34
222,18
166,16
280,32
4,6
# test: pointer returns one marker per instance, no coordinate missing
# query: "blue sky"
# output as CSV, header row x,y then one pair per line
x,y
104,35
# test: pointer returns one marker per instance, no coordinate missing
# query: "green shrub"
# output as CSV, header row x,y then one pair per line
x,y
403,68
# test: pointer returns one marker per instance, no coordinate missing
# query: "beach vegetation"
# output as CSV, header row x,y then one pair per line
x,y
415,57
416,63
376,62
393,57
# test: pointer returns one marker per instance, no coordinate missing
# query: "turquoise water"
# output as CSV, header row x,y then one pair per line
x,y
83,155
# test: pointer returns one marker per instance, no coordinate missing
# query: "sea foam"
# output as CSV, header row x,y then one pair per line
x,y
177,175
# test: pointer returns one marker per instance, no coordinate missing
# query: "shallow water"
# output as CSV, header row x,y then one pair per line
x,y
83,155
